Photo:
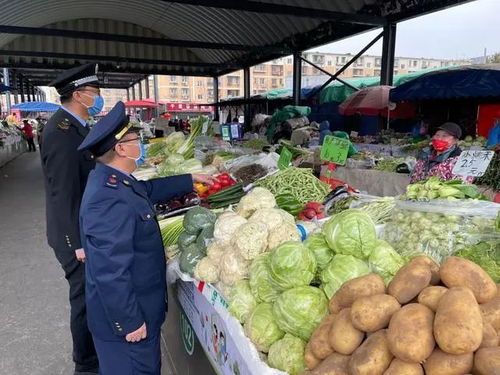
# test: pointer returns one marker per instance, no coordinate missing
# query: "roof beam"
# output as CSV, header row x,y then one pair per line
x,y
272,8
22,30
114,59
111,68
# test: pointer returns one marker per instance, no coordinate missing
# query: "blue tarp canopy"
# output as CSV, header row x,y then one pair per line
x,y
36,107
469,82
4,88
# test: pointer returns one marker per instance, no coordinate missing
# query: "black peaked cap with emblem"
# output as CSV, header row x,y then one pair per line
x,y
69,80
108,131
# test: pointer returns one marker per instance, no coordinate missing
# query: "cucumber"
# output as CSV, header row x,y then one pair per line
x,y
225,204
227,197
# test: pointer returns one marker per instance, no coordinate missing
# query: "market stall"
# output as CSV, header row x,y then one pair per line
x,y
12,143
275,271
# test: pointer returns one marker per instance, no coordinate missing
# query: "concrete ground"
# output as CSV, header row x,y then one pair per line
x,y
34,308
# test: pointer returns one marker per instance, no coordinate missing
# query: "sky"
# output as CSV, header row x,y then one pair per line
x,y
459,32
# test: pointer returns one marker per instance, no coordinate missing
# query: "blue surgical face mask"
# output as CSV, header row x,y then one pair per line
x,y
96,106
141,159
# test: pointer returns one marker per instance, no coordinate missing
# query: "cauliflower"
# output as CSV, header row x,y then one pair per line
x,y
206,270
215,251
282,233
226,225
233,268
272,217
250,239
257,198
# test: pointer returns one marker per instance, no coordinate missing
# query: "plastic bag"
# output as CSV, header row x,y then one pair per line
x,y
439,228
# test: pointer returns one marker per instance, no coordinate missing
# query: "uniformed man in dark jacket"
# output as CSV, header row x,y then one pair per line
x,y
66,171
126,266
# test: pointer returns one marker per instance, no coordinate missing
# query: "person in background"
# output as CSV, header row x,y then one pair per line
x,y
39,131
28,133
126,266
66,171
324,130
440,158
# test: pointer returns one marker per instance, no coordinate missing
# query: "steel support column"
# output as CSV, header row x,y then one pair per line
x,y
20,86
297,76
146,82
246,92
15,84
6,82
156,93
388,51
216,99
133,91
139,84
128,94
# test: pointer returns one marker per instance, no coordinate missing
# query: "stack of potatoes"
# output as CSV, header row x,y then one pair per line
x,y
429,320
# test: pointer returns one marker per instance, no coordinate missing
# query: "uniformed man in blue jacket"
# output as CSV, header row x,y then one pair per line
x,y
125,269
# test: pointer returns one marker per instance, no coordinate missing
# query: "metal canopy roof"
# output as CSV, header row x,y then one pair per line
x,y
183,37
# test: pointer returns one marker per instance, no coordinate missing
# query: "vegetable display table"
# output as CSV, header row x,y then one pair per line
x,y
212,341
10,147
374,182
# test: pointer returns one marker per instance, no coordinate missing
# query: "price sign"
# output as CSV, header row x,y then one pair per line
x,y
226,136
335,149
285,158
472,163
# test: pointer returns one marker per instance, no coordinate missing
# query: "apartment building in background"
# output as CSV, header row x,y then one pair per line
x,y
272,75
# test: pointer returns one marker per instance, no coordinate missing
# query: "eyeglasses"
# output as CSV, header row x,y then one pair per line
x,y
92,91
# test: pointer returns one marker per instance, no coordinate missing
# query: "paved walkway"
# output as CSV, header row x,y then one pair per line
x,y
34,308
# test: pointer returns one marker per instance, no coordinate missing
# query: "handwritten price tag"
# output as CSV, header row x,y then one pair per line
x,y
473,163
335,149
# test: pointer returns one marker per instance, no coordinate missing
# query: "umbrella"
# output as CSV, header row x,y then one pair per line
x,y
146,103
36,107
368,101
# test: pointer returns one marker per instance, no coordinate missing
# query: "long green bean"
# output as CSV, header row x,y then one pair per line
x,y
299,182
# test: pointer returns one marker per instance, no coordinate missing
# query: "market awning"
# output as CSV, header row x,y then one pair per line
x,y
185,37
36,107
470,82
141,104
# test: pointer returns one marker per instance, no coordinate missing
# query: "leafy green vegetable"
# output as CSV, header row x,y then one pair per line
x,y
342,268
385,260
292,264
241,301
198,218
299,310
287,355
189,258
260,280
487,255
205,236
351,232
319,247
261,327
186,239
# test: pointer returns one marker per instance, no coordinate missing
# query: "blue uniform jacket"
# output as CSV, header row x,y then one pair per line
x,y
125,268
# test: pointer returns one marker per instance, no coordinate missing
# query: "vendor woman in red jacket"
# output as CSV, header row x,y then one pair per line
x,y
439,159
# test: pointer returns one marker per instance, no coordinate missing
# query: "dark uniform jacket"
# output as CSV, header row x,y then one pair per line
x,y
66,171
125,267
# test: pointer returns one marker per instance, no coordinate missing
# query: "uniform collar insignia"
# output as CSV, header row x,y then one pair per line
x,y
64,124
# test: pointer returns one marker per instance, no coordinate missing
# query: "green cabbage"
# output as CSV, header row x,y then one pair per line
x,y
260,280
292,264
261,327
287,354
342,268
174,159
385,260
351,232
299,310
174,141
241,301
319,247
